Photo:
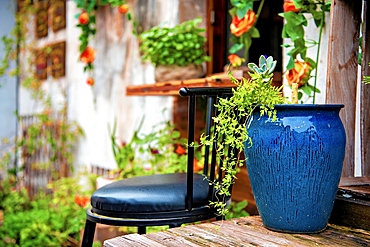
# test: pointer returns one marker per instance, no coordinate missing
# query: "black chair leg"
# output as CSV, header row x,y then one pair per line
x,y
88,237
141,229
174,225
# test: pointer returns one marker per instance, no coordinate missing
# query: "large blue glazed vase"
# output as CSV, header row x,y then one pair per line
x,y
294,165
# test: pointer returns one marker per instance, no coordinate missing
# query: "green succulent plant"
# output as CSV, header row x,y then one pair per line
x,y
264,70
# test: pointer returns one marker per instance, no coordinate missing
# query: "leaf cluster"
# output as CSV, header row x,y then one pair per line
x,y
239,9
88,31
294,29
237,210
151,153
182,44
51,219
366,79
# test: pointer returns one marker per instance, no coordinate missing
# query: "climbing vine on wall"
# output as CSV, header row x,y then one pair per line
x,y
52,128
87,24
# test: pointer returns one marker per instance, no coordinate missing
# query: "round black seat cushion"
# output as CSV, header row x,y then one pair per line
x,y
155,193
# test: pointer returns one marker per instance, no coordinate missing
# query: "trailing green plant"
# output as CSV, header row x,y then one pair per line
x,y
182,44
232,117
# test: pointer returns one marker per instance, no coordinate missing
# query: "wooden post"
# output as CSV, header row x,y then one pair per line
x,y
365,95
345,19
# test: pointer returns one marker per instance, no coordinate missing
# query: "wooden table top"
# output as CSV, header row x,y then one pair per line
x,y
246,231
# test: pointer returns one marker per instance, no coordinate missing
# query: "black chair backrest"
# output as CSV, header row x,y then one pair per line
x,y
212,165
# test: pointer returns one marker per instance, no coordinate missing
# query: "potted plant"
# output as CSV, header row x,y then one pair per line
x,y
294,153
176,52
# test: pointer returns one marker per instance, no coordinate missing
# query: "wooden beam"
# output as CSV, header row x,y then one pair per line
x,y
365,95
341,83
352,207
354,181
245,231
217,36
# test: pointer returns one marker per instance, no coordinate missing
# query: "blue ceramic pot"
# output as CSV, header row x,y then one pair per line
x,y
295,164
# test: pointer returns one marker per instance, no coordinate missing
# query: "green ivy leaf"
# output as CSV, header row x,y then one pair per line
x,y
290,64
240,12
307,89
254,33
235,48
232,12
313,88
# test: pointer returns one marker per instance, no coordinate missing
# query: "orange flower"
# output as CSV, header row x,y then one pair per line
x,y
83,18
299,74
88,55
197,167
289,6
180,150
90,81
235,60
123,9
81,201
240,26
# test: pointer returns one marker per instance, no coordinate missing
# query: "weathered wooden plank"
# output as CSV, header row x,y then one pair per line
x,y
330,237
365,95
134,240
234,238
171,239
245,233
228,238
351,208
341,87
199,237
297,239
172,87
355,181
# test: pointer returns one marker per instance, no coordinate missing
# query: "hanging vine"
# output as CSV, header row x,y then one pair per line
x,y
87,24
300,66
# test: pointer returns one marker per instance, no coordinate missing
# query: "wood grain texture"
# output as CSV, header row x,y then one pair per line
x,y
352,207
217,35
342,69
246,231
365,95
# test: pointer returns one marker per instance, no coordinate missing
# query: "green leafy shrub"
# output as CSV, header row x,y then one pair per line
x,y
53,219
180,45
237,210
162,150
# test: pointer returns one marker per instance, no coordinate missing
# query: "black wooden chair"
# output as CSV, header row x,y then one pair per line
x,y
164,199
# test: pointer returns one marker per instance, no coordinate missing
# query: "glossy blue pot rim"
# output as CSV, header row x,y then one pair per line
x,y
309,106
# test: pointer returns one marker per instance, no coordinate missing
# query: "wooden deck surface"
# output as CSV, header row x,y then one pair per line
x,y
248,231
